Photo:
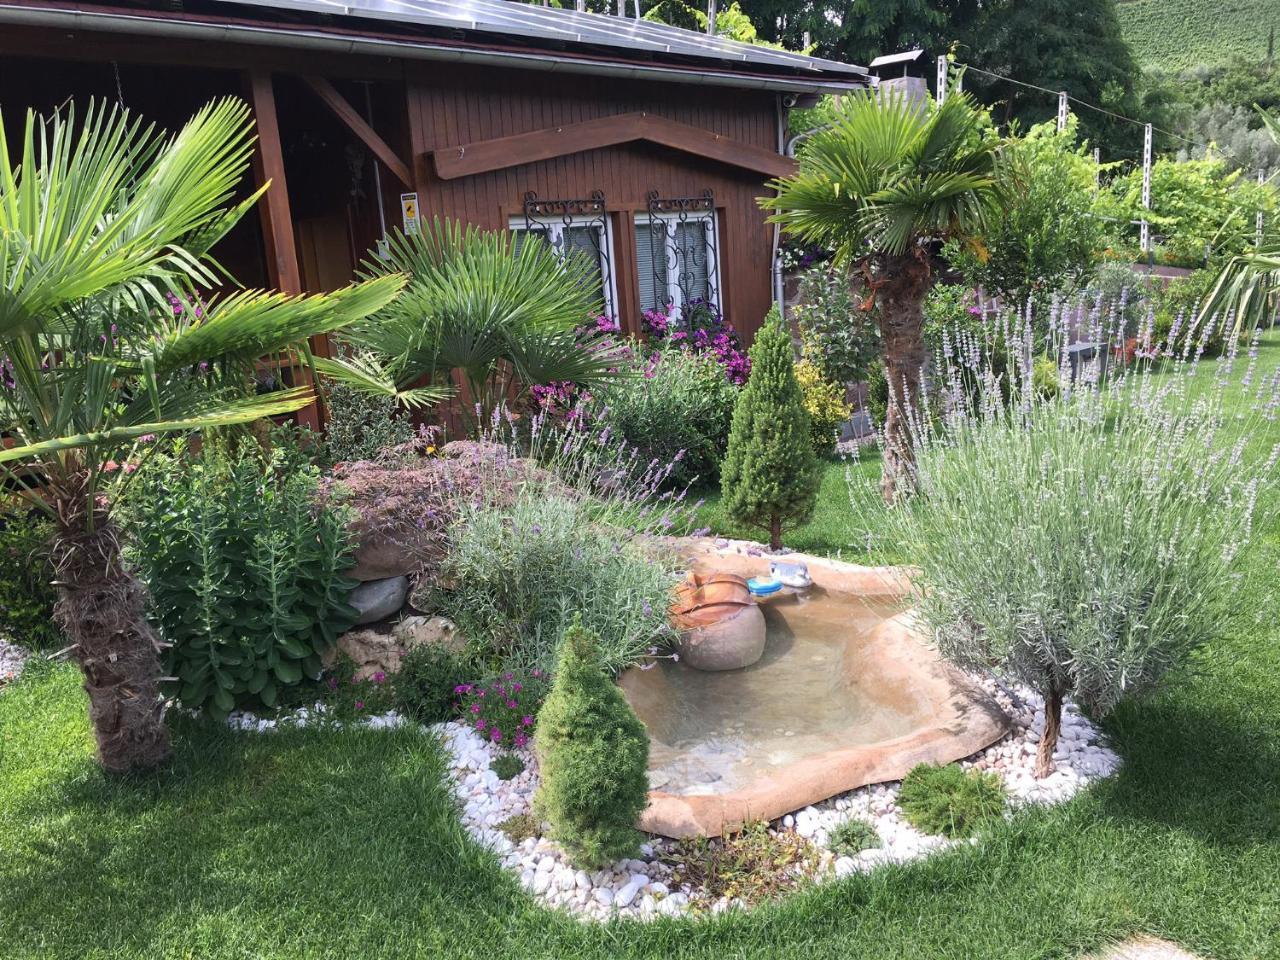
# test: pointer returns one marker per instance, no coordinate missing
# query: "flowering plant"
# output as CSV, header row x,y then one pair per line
x,y
353,694
503,711
700,328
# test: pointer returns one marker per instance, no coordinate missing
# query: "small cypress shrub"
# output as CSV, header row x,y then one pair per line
x,y
592,753
949,800
770,474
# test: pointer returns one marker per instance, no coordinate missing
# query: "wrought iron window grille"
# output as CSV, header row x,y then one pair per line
x,y
683,251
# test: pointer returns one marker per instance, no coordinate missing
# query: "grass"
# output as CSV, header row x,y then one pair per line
x,y
1176,34
322,844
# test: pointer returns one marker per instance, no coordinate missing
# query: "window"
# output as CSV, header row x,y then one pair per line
x,y
572,227
677,257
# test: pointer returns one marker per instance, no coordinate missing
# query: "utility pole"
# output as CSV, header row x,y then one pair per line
x,y
1063,110
1257,218
711,17
942,80
1146,188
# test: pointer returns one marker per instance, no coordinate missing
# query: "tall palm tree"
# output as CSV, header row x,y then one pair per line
x,y
105,230
503,314
1248,286
889,178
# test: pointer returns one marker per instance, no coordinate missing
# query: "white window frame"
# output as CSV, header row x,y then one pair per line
x,y
675,296
555,228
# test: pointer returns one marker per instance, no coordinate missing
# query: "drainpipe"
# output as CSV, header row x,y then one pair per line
x,y
779,283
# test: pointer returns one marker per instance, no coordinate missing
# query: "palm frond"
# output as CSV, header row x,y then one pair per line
x,y
363,372
228,413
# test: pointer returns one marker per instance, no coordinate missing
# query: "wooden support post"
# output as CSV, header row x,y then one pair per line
x,y
277,222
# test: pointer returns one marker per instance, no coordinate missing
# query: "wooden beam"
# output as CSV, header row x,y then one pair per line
x,y
268,167
277,221
484,155
349,116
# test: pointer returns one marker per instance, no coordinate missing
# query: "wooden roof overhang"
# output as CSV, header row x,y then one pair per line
x,y
482,156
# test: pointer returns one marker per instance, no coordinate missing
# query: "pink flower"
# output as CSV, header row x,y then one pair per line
x,y
379,677
495,734
511,704
333,683
480,725
521,740
526,721
359,704
475,708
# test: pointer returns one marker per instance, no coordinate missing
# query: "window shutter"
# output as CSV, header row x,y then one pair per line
x,y
585,241
650,240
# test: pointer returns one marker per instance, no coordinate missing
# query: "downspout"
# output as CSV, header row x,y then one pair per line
x,y
779,283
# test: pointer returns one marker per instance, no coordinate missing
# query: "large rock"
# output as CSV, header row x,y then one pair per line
x,y
383,557
379,599
429,631
379,651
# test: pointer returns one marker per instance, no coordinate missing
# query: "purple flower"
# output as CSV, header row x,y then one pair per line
x,y
495,734
359,704
379,677
526,721
480,725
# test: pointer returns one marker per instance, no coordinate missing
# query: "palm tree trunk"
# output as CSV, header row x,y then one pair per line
x,y
101,608
902,285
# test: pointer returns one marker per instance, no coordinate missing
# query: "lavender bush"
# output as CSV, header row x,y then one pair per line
x,y
581,535
1084,542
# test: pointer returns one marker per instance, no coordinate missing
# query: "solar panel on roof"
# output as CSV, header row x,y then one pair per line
x,y
569,26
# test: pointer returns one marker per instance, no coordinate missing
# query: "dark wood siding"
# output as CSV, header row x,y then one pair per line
x,y
450,106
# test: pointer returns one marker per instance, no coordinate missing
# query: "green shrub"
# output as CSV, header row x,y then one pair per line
x,y
518,571
426,685
851,837
507,766
27,595
347,695
827,408
950,801
840,338
749,865
1176,309
244,571
593,755
770,474
1045,378
673,407
1086,543
521,827
362,426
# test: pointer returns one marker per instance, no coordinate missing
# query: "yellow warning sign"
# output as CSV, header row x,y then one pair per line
x,y
409,212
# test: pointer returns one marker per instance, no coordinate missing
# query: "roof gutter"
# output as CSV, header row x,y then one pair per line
x,y
316,41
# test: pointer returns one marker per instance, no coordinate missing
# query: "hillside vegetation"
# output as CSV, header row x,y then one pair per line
x,y
1175,34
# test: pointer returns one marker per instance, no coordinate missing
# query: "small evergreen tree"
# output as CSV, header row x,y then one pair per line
x,y
593,755
770,474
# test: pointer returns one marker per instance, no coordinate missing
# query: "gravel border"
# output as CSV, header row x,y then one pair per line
x,y
12,659
643,888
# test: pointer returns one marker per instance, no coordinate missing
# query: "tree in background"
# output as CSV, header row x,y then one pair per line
x,y
770,473
880,187
1077,47
106,226
1045,239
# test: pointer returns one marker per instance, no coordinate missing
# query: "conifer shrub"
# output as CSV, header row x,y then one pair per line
x,y
592,754
770,474
950,801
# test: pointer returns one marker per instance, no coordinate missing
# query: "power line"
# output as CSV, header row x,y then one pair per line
x,y
1103,110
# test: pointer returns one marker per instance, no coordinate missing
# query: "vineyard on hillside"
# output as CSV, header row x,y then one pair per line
x,y
1175,34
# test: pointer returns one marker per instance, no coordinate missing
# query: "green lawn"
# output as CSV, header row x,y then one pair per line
x,y
318,844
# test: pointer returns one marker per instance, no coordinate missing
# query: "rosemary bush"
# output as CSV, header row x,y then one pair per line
x,y
1085,541
244,570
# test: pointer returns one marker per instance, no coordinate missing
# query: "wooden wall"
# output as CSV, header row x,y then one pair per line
x,y
453,105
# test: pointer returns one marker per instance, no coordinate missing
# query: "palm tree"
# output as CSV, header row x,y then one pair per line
x,y
504,314
889,178
105,230
1248,286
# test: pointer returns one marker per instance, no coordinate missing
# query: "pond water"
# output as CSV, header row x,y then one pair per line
x,y
816,688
